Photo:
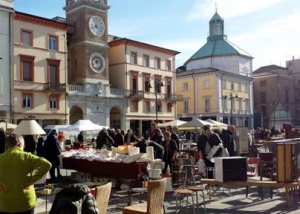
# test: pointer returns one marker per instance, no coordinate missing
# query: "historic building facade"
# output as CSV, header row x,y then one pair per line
x,y
6,62
216,82
89,94
40,69
147,75
274,86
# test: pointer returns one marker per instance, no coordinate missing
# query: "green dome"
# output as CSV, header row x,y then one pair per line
x,y
280,113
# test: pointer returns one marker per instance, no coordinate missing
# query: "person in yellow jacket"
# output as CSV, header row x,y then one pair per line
x,y
19,170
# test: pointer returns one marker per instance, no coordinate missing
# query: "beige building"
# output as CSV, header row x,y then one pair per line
x,y
40,69
147,74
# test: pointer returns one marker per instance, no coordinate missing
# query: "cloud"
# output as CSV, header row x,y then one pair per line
x,y
202,9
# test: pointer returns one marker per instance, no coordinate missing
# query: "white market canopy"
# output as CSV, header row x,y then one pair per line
x,y
197,123
174,123
83,125
5,125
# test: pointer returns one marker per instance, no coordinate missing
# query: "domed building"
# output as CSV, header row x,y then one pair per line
x,y
216,81
279,117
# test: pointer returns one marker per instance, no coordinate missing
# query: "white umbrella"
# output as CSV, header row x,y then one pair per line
x,y
5,125
29,127
195,124
83,125
174,123
217,123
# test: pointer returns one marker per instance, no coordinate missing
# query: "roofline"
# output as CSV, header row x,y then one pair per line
x,y
189,60
124,40
37,19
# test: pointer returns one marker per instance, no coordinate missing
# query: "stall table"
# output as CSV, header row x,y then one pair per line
x,y
106,169
252,182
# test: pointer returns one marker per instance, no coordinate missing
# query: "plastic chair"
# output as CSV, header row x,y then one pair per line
x,y
102,197
155,199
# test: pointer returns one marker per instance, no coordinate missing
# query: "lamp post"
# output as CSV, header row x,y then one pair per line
x,y
156,85
274,107
231,96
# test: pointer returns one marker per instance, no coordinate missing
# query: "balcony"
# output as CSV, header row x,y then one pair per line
x,y
173,97
134,94
55,87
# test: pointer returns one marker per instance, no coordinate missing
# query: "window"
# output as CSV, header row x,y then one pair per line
x,y
286,96
168,65
147,106
158,85
27,100
147,84
53,101
157,63
135,105
232,85
263,97
26,37
26,68
247,87
169,107
263,83
247,105
159,107
53,71
225,104
206,83
207,105
224,84
264,110
53,43
146,61
133,58
240,105
240,86
185,105
185,86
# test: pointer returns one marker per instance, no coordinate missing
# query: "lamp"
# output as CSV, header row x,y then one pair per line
x,y
156,85
29,127
231,96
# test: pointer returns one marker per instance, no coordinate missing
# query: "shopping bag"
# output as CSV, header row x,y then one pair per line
x,y
215,151
202,167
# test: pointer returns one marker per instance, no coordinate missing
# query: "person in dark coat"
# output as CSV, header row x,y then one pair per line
x,y
228,141
205,143
171,151
153,132
103,139
80,137
40,147
30,144
173,135
51,152
129,137
2,141
74,198
118,138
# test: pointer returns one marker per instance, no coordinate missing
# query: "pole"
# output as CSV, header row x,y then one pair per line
x,y
156,89
274,113
231,108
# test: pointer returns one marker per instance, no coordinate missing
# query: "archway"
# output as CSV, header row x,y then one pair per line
x,y
75,114
115,118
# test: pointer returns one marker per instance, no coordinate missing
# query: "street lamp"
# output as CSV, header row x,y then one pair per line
x,y
231,96
156,85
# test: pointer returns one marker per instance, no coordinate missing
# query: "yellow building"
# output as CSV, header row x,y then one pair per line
x,y
40,67
216,82
147,74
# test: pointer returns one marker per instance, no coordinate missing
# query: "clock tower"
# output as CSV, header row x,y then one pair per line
x,y
88,43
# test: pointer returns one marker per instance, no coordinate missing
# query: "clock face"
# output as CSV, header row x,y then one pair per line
x,y
97,62
96,26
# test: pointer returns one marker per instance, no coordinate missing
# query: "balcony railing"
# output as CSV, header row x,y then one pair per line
x,y
134,93
56,87
174,97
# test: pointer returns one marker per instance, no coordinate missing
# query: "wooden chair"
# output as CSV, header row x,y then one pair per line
x,y
184,166
102,197
155,199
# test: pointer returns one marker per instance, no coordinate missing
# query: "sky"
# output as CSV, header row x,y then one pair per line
x,y
269,30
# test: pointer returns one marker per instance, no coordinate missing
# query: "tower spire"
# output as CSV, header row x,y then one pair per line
x,y
216,7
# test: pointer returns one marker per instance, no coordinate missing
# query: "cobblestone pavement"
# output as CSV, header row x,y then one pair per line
x,y
229,200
